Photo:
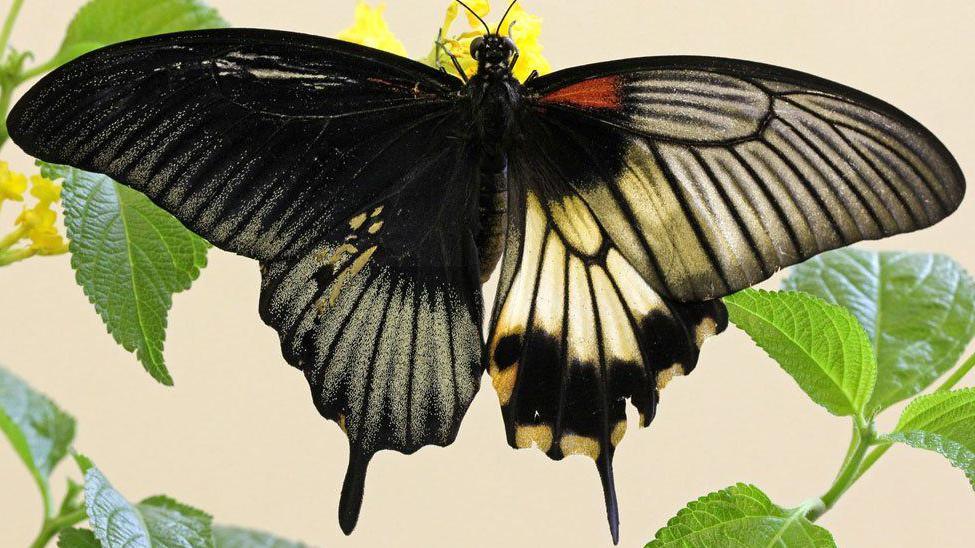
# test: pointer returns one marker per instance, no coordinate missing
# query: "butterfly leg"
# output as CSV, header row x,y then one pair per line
x,y
531,76
453,58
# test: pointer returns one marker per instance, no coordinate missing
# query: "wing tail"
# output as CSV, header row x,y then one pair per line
x,y
575,334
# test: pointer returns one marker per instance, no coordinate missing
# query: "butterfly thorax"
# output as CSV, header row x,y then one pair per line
x,y
495,95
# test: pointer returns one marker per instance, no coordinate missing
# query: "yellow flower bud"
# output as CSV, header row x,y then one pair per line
x,y
370,29
12,184
525,33
45,190
38,222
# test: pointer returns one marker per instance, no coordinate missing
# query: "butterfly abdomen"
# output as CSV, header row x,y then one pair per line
x,y
492,208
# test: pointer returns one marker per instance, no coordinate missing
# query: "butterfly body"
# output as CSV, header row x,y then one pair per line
x,y
622,200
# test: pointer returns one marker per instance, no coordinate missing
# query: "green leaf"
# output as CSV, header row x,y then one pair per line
x,y
741,515
83,462
917,308
102,22
78,538
820,344
943,422
235,537
129,257
38,430
171,523
155,522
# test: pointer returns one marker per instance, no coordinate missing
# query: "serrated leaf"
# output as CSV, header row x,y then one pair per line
x,y
917,308
114,520
157,522
102,22
77,538
741,515
129,257
235,537
821,345
943,422
39,431
173,524
83,462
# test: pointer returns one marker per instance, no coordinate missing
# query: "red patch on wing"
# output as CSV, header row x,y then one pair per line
x,y
596,93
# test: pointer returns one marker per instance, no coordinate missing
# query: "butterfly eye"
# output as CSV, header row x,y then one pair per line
x,y
476,47
510,44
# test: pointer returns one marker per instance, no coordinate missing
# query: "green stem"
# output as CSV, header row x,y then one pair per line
x,y
55,525
863,436
52,64
6,94
8,25
10,239
949,383
958,375
10,257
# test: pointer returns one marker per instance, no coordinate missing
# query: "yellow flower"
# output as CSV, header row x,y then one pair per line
x,y
481,7
370,29
525,33
45,190
38,223
12,184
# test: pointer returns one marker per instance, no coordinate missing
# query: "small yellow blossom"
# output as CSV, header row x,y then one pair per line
x,y
45,190
370,29
38,225
12,184
525,30
481,7
36,232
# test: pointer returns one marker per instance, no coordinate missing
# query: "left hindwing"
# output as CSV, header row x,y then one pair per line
x,y
335,166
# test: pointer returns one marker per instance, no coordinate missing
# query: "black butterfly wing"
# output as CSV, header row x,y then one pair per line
x,y
642,191
733,170
332,164
576,329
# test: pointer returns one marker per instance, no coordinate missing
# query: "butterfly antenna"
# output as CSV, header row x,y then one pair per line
x,y
505,16
468,8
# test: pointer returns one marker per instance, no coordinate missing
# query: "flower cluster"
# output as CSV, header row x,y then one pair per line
x,y
370,29
35,232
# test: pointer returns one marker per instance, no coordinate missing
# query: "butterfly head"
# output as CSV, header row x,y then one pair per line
x,y
494,53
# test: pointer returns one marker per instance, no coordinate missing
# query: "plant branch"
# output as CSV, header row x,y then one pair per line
x,y
6,94
958,375
863,437
8,25
949,383
34,72
53,526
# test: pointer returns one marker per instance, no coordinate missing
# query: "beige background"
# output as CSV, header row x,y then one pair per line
x,y
239,437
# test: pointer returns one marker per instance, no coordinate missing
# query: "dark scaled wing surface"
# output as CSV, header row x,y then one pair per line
x,y
644,190
733,170
331,164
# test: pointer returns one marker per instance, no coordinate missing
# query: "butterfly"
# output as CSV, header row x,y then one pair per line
x,y
620,200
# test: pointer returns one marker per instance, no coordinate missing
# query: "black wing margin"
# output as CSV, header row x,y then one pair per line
x,y
328,162
734,170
